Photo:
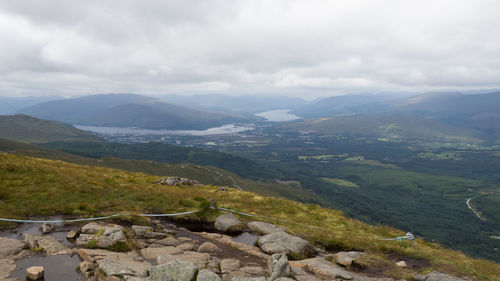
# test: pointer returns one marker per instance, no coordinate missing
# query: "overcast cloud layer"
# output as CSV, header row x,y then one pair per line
x,y
302,48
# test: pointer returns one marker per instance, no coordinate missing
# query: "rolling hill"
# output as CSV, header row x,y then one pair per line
x,y
387,127
479,111
127,110
28,129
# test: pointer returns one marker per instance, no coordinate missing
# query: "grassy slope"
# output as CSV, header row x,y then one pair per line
x,y
33,187
203,174
28,129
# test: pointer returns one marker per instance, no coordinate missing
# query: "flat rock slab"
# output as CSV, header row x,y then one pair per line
x,y
169,241
439,276
264,228
49,244
207,275
228,265
282,243
153,253
113,267
6,267
199,260
228,241
346,258
95,228
92,255
173,271
248,279
322,268
10,247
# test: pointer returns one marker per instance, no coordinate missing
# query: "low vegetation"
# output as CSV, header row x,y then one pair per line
x,y
32,187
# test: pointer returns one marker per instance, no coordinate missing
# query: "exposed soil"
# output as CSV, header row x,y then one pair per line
x,y
373,270
415,264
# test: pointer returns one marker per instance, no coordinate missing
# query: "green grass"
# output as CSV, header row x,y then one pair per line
x,y
204,174
29,129
360,160
35,187
341,182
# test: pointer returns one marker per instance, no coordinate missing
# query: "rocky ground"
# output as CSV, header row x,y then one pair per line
x,y
166,252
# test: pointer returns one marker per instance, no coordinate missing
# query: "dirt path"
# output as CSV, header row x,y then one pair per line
x,y
472,209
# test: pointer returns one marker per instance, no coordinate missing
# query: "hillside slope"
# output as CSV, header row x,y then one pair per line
x,y
127,110
35,187
28,129
389,127
203,174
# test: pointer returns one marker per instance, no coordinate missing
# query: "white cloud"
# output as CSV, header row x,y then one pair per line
x,y
295,47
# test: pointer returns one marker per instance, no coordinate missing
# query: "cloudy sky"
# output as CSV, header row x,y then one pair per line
x,y
304,48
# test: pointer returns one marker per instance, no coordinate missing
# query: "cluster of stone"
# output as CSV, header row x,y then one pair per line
x,y
159,252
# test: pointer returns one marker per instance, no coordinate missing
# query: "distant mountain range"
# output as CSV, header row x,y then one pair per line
x,y
10,105
475,111
128,110
243,105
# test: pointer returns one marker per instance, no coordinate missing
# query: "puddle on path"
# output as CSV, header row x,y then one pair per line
x,y
34,228
60,267
246,238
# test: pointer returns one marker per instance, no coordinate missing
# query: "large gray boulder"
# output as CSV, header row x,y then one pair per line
x,y
10,247
282,243
278,266
228,223
95,235
346,258
45,243
178,181
264,228
207,275
173,271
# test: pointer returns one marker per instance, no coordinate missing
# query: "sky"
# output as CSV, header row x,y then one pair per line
x,y
303,48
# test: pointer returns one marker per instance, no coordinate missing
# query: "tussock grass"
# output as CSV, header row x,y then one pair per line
x,y
35,187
